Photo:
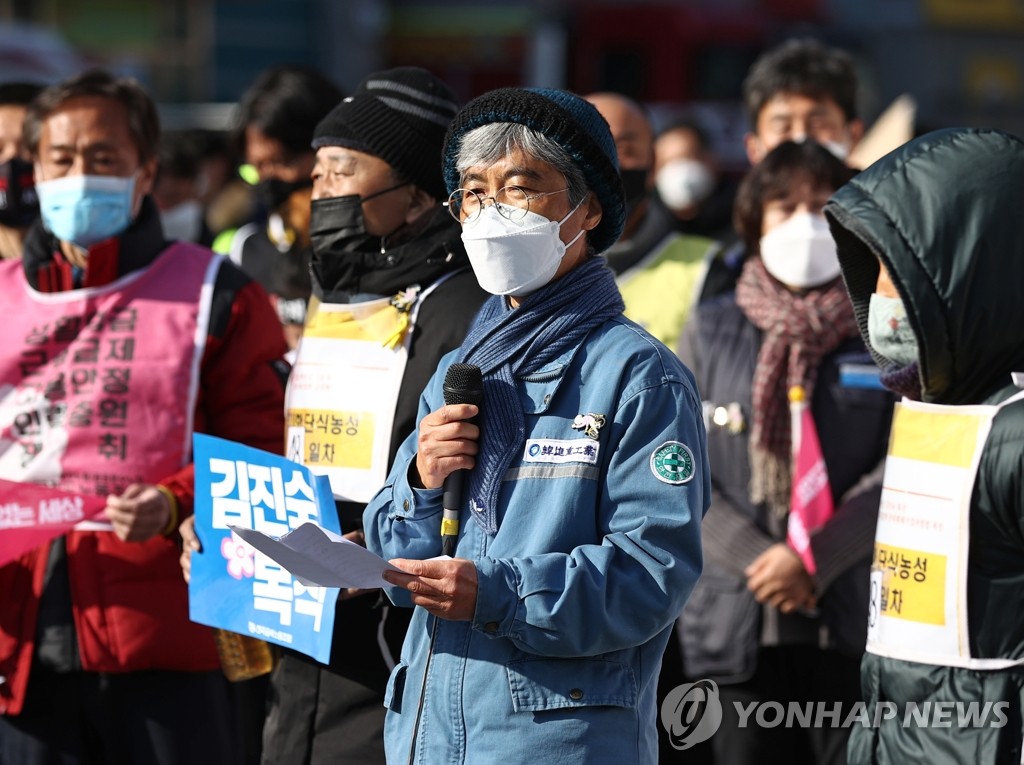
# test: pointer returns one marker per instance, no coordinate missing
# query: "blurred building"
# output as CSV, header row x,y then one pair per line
x,y
962,60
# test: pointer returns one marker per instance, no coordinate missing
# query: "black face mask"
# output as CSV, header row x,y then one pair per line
x,y
18,203
341,245
634,186
273,192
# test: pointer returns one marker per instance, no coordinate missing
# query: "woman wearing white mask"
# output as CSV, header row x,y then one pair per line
x,y
780,612
540,640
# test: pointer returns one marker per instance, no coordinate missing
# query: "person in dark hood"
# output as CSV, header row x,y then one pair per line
x,y
392,293
277,116
930,247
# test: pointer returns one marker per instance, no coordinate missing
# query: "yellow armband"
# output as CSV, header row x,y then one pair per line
x,y
172,501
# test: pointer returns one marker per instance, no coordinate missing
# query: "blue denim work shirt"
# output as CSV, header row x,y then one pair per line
x,y
596,551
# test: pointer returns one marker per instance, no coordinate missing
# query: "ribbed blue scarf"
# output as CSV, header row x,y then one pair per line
x,y
510,343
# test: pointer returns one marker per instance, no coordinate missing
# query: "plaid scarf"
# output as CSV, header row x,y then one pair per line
x,y
800,329
508,343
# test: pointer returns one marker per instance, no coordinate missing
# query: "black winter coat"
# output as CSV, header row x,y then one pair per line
x,y
320,713
722,625
944,214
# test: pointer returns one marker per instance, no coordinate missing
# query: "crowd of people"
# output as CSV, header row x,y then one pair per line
x,y
710,409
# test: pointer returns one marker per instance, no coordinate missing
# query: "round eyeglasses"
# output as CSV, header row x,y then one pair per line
x,y
511,202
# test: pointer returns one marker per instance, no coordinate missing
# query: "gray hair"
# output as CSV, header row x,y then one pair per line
x,y
488,144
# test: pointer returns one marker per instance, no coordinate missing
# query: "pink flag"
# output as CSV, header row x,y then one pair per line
x,y
811,503
31,514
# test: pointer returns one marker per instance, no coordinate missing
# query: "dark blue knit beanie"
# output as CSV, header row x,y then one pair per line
x,y
569,121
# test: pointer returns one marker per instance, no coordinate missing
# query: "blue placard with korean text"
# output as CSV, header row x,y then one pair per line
x,y
233,586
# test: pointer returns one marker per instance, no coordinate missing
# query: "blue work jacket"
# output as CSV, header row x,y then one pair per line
x,y
596,551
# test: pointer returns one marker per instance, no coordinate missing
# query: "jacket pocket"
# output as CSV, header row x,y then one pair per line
x,y
539,684
396,687
720,630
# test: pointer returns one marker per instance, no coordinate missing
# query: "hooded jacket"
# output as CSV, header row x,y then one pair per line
x,y
943,214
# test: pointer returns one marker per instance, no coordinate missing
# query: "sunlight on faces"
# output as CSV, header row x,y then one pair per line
x,y
796,247
803,197
341,172
90,136
797,117
537,177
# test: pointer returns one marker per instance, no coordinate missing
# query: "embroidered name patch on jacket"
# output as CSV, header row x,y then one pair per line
x,y
557,450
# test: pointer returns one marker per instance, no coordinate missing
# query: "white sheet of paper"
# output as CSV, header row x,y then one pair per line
x,y
316,556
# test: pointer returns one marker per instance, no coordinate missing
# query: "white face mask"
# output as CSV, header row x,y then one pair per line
x,y
514,257
840,149
801,253
683,183
184,221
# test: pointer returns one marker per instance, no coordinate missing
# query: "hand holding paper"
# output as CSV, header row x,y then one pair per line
x,y
446,587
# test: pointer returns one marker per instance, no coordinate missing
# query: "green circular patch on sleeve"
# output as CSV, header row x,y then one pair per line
x,y
672,462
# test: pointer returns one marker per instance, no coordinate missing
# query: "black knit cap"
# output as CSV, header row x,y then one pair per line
x,y
569,121
399,115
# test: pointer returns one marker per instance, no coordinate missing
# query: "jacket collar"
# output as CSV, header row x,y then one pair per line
x,y
47,270
435,250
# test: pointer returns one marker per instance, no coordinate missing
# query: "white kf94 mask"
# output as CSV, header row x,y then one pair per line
x,y
514,257
801,253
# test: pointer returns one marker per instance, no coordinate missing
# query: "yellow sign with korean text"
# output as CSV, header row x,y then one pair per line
x,y
344,386
334,439
340,403
918,590
913,585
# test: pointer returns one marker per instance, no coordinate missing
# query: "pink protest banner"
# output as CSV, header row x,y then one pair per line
x,y
31,514
811,505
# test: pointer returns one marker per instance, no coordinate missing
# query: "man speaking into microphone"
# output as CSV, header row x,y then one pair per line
x,y
578,532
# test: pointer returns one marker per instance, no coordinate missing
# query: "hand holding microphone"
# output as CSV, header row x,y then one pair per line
x,y
447,444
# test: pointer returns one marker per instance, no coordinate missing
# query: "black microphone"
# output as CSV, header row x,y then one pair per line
x,y
463,384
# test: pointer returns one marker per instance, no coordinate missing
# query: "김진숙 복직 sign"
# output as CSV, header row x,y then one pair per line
x,y
232,585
